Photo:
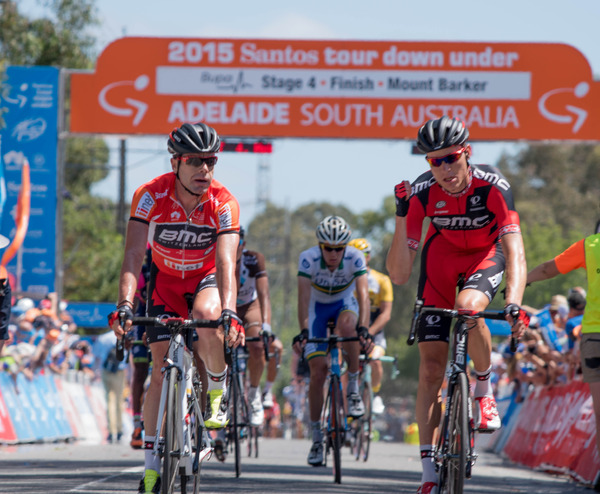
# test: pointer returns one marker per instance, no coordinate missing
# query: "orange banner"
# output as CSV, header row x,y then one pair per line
x,y
337,89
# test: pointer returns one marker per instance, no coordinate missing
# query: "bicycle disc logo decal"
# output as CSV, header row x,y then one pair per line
x,y
573,114
433,320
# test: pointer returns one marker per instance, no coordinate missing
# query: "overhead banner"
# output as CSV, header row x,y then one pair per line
x,y
337,89
29,106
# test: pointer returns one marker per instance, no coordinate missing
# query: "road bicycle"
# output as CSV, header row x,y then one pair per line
x,y
239,427
182,440
362,428
334,422
455,453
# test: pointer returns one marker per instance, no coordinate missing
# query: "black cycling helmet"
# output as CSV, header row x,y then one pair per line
x,y
193,138
441,133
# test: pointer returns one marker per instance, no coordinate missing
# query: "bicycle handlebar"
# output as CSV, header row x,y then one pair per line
x,y
167,322
420,310
264,336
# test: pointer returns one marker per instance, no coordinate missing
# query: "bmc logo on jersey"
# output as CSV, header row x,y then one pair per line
x,y
144,206
185,236
461,222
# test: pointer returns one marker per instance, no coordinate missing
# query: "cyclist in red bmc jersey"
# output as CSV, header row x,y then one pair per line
x,y
474,236
191,222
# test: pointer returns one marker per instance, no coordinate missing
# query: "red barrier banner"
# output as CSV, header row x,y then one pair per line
x,y
556,432
337,88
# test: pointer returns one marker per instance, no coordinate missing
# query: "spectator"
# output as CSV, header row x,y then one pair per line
x,y
582,254
112,372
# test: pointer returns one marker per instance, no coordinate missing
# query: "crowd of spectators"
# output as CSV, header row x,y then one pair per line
x,y
44,338
548,353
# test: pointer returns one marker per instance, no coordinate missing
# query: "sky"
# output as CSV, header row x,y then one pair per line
x,y
356,174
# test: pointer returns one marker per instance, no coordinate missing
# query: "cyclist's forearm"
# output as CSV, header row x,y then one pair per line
x,y
399,258
516,268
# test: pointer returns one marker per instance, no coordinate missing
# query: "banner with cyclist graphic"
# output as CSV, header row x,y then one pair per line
x,y
29,106
338,89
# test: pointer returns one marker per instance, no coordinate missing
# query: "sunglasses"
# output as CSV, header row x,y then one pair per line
x,y
327,248
449,158
198,161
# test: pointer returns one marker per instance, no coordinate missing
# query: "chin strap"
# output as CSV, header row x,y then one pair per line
x,y
186,189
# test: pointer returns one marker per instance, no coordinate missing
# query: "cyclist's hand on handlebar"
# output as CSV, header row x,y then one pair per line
x,y
518,318
299,341
237,334
402,193
119,320
366,340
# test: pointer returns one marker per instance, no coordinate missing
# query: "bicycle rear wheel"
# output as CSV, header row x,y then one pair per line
x,y
172,448
337,427
240,420
458,435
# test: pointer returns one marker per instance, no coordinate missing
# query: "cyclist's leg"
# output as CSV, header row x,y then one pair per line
x,y
207,305
483,277
275,349
346,326
250,314
437,287
376,377
139,374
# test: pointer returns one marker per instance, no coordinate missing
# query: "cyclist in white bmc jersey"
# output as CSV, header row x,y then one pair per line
x,y
327,277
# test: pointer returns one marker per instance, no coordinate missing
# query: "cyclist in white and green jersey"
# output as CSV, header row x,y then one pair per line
x,y
327,277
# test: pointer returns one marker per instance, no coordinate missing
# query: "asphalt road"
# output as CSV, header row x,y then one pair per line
x,y
280,467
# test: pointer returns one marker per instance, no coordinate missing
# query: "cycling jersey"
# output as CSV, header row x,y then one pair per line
x,y
250,267
332,291
471,220
184,245
462,241
380,290
330,286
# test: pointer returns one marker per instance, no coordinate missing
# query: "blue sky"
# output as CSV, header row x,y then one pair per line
x,y
357,174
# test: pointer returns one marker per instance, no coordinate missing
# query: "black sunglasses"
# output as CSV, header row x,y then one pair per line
x,y
198,161
327,248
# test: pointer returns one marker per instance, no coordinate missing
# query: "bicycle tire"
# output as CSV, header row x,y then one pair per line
x,y
337,427
197,423
458,435
366,423
171,446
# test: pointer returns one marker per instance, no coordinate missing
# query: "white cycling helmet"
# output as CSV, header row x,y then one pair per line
x,y
333,230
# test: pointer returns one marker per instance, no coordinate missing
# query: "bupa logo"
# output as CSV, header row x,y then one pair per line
x,y
433,320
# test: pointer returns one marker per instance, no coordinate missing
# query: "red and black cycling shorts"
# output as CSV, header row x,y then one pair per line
x,y
174,296
444,267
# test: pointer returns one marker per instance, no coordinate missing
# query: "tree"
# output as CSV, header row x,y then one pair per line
x,y
92,250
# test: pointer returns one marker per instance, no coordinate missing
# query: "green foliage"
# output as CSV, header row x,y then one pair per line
x,y
93,251
59,39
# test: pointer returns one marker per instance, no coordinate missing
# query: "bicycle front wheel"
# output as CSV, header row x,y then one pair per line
x,y
458,435
337,427
366,424
172,448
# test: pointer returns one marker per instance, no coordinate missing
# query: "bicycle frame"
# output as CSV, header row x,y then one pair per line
x,y
455,466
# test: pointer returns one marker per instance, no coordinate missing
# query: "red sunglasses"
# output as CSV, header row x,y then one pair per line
x,y
449,158
198,161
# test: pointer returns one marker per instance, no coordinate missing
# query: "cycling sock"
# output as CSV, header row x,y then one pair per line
x,y
317,432
427,461
216,381
137,421
352,382
151,462
483,384
268,386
